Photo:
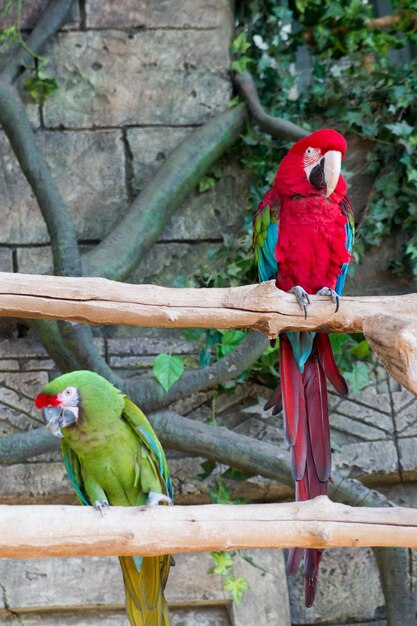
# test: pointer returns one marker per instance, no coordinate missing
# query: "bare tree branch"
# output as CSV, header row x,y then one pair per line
x,y
275,126
52,19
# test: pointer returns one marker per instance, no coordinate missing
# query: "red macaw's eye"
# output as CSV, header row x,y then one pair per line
x,y
43,399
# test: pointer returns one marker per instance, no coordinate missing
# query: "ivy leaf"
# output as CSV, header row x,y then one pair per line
x,y
362,350
237,587
223,562
240,44
221,494
358,377
206,183
40,87
208,467
9,35
401,129
230,339
167,369
235,474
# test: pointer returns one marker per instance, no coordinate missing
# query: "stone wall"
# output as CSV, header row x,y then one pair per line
x,y
135,78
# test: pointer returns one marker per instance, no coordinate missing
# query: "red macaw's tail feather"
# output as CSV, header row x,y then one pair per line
x,y
275,401
325,354
306,424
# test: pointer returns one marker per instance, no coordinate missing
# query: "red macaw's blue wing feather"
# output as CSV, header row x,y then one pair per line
x,y
265,236
350,237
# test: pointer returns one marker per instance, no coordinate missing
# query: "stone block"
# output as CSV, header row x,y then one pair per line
x,y
154,14
373,461
36,483
32,11
6,260
374,277
405,410
220,210
348,590
180,616
172,264
17,391
407,450
89,169
146,346
22,348
96,583
169,78
150,147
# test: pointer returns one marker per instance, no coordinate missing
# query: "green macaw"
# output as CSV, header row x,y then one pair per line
x,y
113,457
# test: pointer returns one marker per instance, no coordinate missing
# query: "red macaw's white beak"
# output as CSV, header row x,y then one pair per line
x,y
332,167
324,172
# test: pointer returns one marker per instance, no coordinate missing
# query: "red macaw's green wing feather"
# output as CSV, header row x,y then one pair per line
x,y
265,236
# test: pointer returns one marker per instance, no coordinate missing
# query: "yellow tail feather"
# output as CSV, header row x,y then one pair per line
x,y
145,601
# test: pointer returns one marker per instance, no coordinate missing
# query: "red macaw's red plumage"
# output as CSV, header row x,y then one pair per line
x,y
303,237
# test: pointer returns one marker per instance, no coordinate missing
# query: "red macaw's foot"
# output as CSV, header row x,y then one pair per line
x,y
326,291
302,298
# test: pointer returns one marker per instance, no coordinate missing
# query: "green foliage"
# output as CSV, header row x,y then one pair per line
x,y
167,369
358,377
209,181
38,84
237,587
352,353
224,562
354,85
238,49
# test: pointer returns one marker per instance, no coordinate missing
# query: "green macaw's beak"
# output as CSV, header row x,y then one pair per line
x,y
57,417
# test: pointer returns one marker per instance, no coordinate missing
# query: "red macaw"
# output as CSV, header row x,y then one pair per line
x,y
303,238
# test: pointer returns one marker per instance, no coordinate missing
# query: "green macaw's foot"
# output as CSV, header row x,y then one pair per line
x,y
326,291
155,498
101,506
302,298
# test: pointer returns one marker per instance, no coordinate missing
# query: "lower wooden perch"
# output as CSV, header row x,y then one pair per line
x,y
57,531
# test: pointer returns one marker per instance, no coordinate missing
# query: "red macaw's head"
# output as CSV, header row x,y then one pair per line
x,y
312,166
59,410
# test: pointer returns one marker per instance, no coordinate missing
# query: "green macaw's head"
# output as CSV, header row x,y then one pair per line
x,y
80,398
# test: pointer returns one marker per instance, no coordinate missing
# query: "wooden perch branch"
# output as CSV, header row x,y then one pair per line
x,y
388,322
56,531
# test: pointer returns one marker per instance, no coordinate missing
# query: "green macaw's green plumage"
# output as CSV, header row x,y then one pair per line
x,y
112,455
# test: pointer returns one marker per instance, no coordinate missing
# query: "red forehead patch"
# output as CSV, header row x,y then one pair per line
x,y
43,399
